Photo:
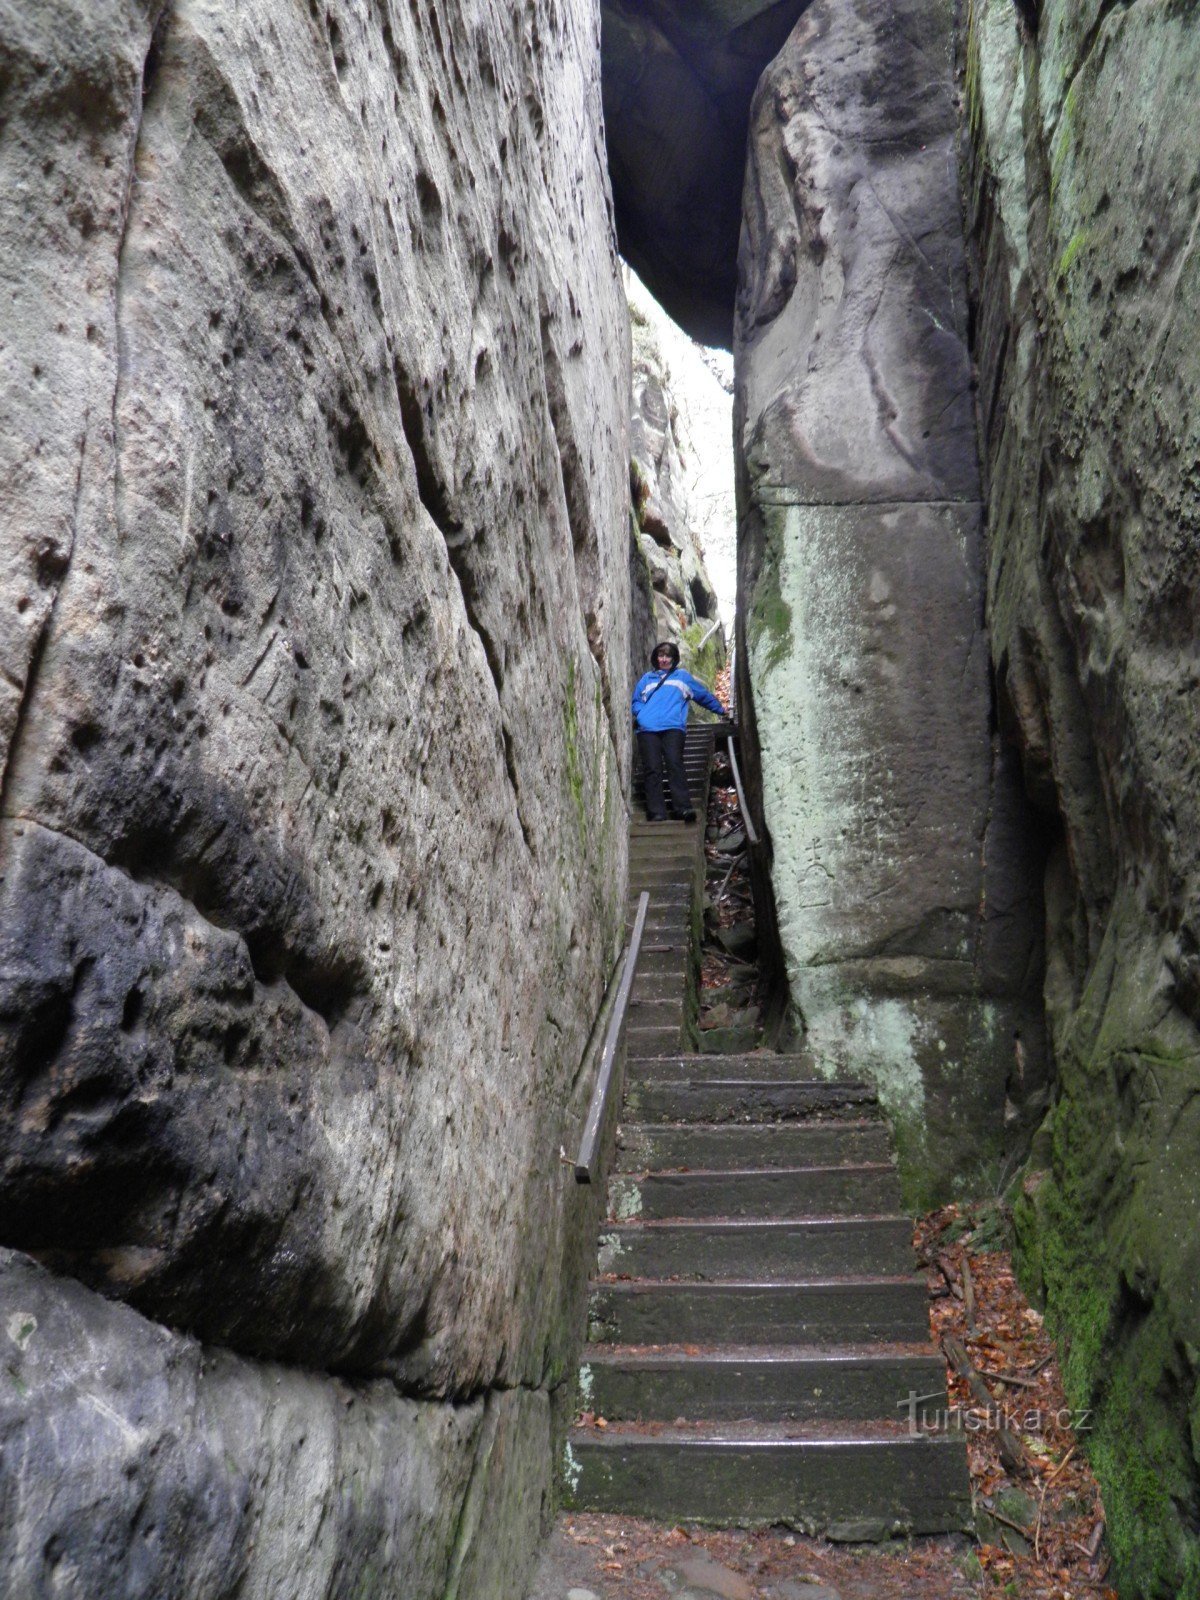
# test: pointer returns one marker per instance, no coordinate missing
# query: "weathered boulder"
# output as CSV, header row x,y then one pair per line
x,y
152,1466
908,914
314,385
678,81
1083,200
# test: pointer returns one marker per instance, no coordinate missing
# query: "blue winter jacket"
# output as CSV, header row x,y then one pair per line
x,y
655,710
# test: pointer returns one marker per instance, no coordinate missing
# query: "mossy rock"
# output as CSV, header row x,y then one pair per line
x,y
703,661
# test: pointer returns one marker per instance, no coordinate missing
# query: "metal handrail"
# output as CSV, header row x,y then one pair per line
x,y
589,1144
741,793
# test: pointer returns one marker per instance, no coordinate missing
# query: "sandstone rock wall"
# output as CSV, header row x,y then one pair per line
x,y
1083,190
673,593
907,905
149,1465
314,382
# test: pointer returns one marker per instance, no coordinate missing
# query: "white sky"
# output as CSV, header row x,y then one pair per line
x,y
701,385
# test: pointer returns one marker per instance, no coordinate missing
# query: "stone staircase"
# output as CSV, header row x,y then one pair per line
x,y
667,858
756,1326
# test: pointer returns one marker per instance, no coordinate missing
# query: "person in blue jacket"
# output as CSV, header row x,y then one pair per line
x,y
660,712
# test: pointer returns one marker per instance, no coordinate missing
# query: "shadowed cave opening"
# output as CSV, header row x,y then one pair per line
x,y
678,80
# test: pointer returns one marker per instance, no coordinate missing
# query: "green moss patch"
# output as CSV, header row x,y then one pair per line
x,y
770,617
1077,243
574,760
1104,1239
702,661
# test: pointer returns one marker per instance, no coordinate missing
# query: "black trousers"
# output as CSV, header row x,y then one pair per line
x,y
659,750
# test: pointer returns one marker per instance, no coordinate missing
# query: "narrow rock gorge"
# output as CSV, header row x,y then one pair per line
x,y
327,461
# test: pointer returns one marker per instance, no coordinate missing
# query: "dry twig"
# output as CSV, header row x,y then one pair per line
x,y
947,1271
1061,1465
1017,1527
1012,1451
968,1294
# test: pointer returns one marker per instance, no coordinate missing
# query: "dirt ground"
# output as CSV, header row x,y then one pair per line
x,y
626,1558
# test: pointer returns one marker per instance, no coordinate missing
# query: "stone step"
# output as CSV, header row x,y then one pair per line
x,y
666,857
674,902
656,880
661,874
659,955
761,1067
642,1038
663,897
733,1147
671,826
672,829
659,987
677,906
773,1384
849,1481
657,1012
672,913
805,1311
664,965
810,1247
731,1100
664,843
665,922
675,939
855,1191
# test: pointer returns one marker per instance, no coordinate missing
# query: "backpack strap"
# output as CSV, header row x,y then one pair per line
x,y
653,692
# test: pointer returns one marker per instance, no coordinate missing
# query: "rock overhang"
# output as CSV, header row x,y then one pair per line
x,y
678,78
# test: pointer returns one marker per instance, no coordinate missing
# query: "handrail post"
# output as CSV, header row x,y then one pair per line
x,y
589,1144
737,783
